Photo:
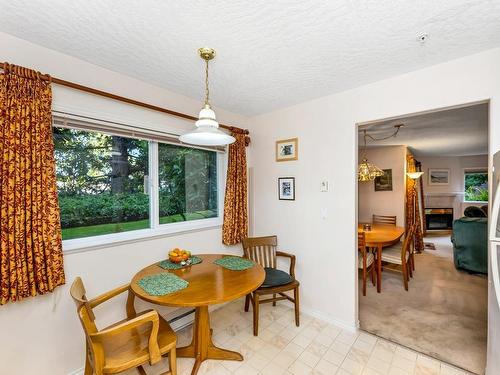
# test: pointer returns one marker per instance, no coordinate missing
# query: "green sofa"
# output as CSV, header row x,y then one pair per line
x,y
470,244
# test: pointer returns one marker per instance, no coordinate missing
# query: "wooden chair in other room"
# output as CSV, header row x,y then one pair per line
x,y
398,256
262,250
366,261
382,219
130,343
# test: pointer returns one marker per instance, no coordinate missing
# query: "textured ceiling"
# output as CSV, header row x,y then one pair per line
x,y
270,53
454,132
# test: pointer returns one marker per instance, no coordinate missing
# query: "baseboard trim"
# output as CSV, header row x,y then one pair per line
x,y
79,371
329,319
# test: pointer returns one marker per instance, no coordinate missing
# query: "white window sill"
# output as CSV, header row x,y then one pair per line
x,y
476,202
78,245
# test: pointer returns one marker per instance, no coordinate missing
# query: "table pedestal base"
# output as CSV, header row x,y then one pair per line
x,y
202,347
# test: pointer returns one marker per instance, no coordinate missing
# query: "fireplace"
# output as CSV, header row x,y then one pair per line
x,y
438,218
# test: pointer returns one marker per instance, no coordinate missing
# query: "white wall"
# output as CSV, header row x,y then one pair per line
x,y
325,247
371,202
42,335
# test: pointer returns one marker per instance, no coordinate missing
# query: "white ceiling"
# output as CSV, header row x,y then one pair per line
x,y
271,54
454,132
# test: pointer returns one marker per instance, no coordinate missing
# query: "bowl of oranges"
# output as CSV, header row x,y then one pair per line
x,y
178,255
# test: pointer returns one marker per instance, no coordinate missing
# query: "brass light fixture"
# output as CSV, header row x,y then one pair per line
x,y
366,170
207,132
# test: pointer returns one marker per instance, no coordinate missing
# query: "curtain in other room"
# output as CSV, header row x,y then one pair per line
x,y
412,204
31,258
235,226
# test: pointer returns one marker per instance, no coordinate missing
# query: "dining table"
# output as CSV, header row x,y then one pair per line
x,y
380,236
209,284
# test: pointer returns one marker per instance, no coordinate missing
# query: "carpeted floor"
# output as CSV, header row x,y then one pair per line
x,y
444,313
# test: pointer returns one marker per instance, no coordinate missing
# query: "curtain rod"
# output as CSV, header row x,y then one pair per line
x,y
32,74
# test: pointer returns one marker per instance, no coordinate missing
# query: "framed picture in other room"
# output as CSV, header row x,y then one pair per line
x,y
439,176
384,182
286,188
287,149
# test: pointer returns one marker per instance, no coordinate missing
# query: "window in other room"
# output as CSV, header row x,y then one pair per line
x,y
476,186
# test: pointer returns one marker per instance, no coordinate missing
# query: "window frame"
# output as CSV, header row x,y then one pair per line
x,y
156,229
474,170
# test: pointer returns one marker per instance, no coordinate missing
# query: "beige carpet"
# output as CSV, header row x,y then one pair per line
x,y
444,313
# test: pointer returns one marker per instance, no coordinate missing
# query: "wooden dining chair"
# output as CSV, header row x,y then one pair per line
x,y
383,219
366,260
263,250
130,343
398,257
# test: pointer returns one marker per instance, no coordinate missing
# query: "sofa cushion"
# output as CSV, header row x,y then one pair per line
x,y
470,244
473,211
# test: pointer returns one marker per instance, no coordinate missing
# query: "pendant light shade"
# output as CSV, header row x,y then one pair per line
x,y
414,175
207,132
368,172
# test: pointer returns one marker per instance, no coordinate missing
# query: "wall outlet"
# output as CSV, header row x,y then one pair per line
x,y
323,186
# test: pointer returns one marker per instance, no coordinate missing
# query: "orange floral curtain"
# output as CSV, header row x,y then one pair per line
x,y
30,234
235,226
412,204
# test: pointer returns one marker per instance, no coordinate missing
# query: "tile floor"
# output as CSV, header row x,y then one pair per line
x,y
315,347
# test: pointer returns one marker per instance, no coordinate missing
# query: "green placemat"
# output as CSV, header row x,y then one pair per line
x,y
168,265
162,284
235,263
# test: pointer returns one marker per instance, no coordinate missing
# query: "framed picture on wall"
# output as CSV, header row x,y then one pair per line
x,y
384,183
287,149
286,188
439,176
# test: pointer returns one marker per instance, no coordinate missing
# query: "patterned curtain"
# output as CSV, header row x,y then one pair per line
x,y
412,204
235,226
31,258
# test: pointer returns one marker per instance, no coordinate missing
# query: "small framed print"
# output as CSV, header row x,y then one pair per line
x,y
384,182
287,149
439,176
286,188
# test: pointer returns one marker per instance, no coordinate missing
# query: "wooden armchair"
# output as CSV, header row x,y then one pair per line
x,y
130,343
398,257
262,250
382,219
366,260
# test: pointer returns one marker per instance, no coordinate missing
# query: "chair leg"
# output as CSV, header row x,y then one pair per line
x,y
172,361
274,302
373,275
255,314
405,276
88,367
141,370
247,302
410,268
364,281
297,308
412,256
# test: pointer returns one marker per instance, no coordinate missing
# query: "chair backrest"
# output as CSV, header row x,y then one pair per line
x,y
361,241
384,219
261,250
407,243
83,309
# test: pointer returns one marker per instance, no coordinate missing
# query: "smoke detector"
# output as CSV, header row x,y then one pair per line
x,y
422,38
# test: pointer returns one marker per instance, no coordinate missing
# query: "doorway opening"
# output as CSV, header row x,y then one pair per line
x,y
429,251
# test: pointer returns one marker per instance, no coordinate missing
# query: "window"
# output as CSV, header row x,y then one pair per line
x,y
476,186
106,183
187,183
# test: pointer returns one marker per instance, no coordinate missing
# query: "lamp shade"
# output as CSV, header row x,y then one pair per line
x,y
414,175
207,132
368,172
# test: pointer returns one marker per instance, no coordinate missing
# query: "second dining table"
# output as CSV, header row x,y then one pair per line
x,y
380,236
209,284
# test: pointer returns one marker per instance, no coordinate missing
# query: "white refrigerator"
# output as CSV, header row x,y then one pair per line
x,y
493,361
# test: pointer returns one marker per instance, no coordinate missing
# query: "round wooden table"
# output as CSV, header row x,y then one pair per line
x,y
380,236
209,284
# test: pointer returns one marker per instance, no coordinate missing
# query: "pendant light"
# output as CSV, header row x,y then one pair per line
x,y
207,132
366,170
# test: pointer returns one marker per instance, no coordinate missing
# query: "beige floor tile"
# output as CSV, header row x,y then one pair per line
x,y
284,359
300,368
450,370
325,368
379,365
383,353
246,369
398,371
317,349
340,347
273,369
334,357
309,359
293,349
352,366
